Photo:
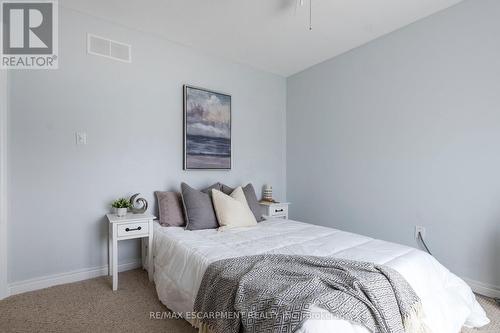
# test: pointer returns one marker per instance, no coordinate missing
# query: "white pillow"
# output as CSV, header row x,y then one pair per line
x,y
232,211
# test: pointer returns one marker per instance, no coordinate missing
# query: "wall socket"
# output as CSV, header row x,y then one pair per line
x,y
419,230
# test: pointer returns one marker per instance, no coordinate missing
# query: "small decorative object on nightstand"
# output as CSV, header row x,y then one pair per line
x,y
275,209
138,205
130,226
267,193
121,206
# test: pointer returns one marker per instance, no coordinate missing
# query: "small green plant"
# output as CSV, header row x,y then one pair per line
x,y
121,203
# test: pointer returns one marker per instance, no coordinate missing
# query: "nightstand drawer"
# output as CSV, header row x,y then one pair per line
x,y
278,210
132,229
275,209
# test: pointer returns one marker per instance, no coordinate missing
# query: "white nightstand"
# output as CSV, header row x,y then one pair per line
x,y
275,210
130,226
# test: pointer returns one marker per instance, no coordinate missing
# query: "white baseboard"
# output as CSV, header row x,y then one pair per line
x,y
68,277
484,289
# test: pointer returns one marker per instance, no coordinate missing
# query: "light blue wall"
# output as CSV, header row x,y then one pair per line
x,y
399,132
59,192
404,131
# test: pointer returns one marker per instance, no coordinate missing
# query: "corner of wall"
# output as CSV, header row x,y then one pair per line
x,y
3,184
284,144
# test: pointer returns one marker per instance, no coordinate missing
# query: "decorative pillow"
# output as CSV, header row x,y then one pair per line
x,y
252,201
198,208
226,189
232,211
251,197
170,209
216,186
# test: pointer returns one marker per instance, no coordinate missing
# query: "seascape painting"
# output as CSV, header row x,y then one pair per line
x,y
207,129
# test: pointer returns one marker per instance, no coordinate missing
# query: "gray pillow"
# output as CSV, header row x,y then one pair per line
x,y
198,207
252,201
217,186
251,197
170,209
226,189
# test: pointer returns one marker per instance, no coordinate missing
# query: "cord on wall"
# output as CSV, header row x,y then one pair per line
x,y
420,238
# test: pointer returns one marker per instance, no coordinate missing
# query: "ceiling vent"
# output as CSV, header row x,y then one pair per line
x,y
108,48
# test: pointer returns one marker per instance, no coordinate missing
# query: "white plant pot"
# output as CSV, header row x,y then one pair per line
x,y
121,211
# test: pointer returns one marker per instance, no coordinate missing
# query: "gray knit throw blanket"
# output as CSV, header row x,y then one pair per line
x,y
275,293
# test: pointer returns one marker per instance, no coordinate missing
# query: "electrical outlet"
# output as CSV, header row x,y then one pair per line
x,y
81,138
419,230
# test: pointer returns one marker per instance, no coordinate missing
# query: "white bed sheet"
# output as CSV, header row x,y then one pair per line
x,y
181,258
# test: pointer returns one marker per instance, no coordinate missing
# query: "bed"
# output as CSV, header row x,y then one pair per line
x,y
181,258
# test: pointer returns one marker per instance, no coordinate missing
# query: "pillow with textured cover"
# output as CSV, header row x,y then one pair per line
x,y
251,197
170,209
198,207
232,210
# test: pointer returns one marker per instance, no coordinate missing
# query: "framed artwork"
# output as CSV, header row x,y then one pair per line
x,y
207,130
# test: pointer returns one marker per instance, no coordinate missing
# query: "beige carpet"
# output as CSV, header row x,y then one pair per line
x,y
91,306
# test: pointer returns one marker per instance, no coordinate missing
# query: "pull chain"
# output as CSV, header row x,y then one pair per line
x,y
301,3
310,15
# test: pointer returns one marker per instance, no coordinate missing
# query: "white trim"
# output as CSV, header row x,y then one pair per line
x,y
69,277
484,289
3,183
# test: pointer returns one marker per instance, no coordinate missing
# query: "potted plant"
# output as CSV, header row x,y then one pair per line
x,y
121,206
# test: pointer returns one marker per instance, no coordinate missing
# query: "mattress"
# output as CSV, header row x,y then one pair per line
x,y
181,258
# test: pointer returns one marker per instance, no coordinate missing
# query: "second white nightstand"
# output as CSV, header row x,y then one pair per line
x,y
275,210
130,226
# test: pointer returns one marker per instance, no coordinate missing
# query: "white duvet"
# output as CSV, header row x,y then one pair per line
x,y
181,257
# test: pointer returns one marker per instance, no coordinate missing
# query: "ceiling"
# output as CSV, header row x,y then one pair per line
x,y
272,35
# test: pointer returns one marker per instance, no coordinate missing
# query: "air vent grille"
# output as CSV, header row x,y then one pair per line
x,y
108,48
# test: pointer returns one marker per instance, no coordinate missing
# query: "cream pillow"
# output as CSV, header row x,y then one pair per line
x,y
232,210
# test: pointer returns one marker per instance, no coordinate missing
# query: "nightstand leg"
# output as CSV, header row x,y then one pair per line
x,y
150,252
115,261
144,253
110,250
